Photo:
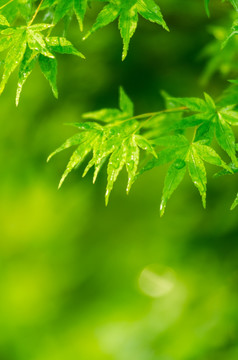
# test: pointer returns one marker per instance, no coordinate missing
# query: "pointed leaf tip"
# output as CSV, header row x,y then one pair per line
x,y
235,203
107,195
204,202
60,184
86,36
162,208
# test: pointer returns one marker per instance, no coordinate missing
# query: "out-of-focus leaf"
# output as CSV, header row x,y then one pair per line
x,y
126,105
235,4
206,2
235,203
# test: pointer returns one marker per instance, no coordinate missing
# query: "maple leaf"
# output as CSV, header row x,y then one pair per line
x,y
213,121
232,32
26,45
79,7
235,203
220,54
184,156
234,170
235,4
117,141
207,2
128,11
63,8
12,9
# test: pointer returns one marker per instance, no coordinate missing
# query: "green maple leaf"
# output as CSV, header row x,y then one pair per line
x,y
26,45
233,170
232,32
229,95
118,141
128,11
220,54
206,2
14,39
233,2
64,8
213,121
12,10
77,6
164,122
235,203
184,156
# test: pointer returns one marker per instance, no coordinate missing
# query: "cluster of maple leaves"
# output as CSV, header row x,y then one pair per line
x,y
116,136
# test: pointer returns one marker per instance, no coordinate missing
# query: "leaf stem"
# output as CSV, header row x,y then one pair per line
x,y
146,121
36,12
3,6
194,134
159,112
152,114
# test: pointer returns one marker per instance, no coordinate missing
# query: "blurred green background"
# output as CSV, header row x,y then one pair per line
x,y
81,281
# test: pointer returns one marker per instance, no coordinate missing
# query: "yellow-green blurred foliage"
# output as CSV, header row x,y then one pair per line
x,y
81,281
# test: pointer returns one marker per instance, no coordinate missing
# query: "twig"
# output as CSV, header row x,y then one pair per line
x,y
152,114
36,12
3,6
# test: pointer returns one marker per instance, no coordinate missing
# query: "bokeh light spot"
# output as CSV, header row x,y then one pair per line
x,y
156,280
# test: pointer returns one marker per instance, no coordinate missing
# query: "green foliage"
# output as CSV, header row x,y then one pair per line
x,y
17,8
207,3
232,32
119,140
235,4
219,58
190,156
28,44
212,120
235,203
128,11
25,45
116,135
64,8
